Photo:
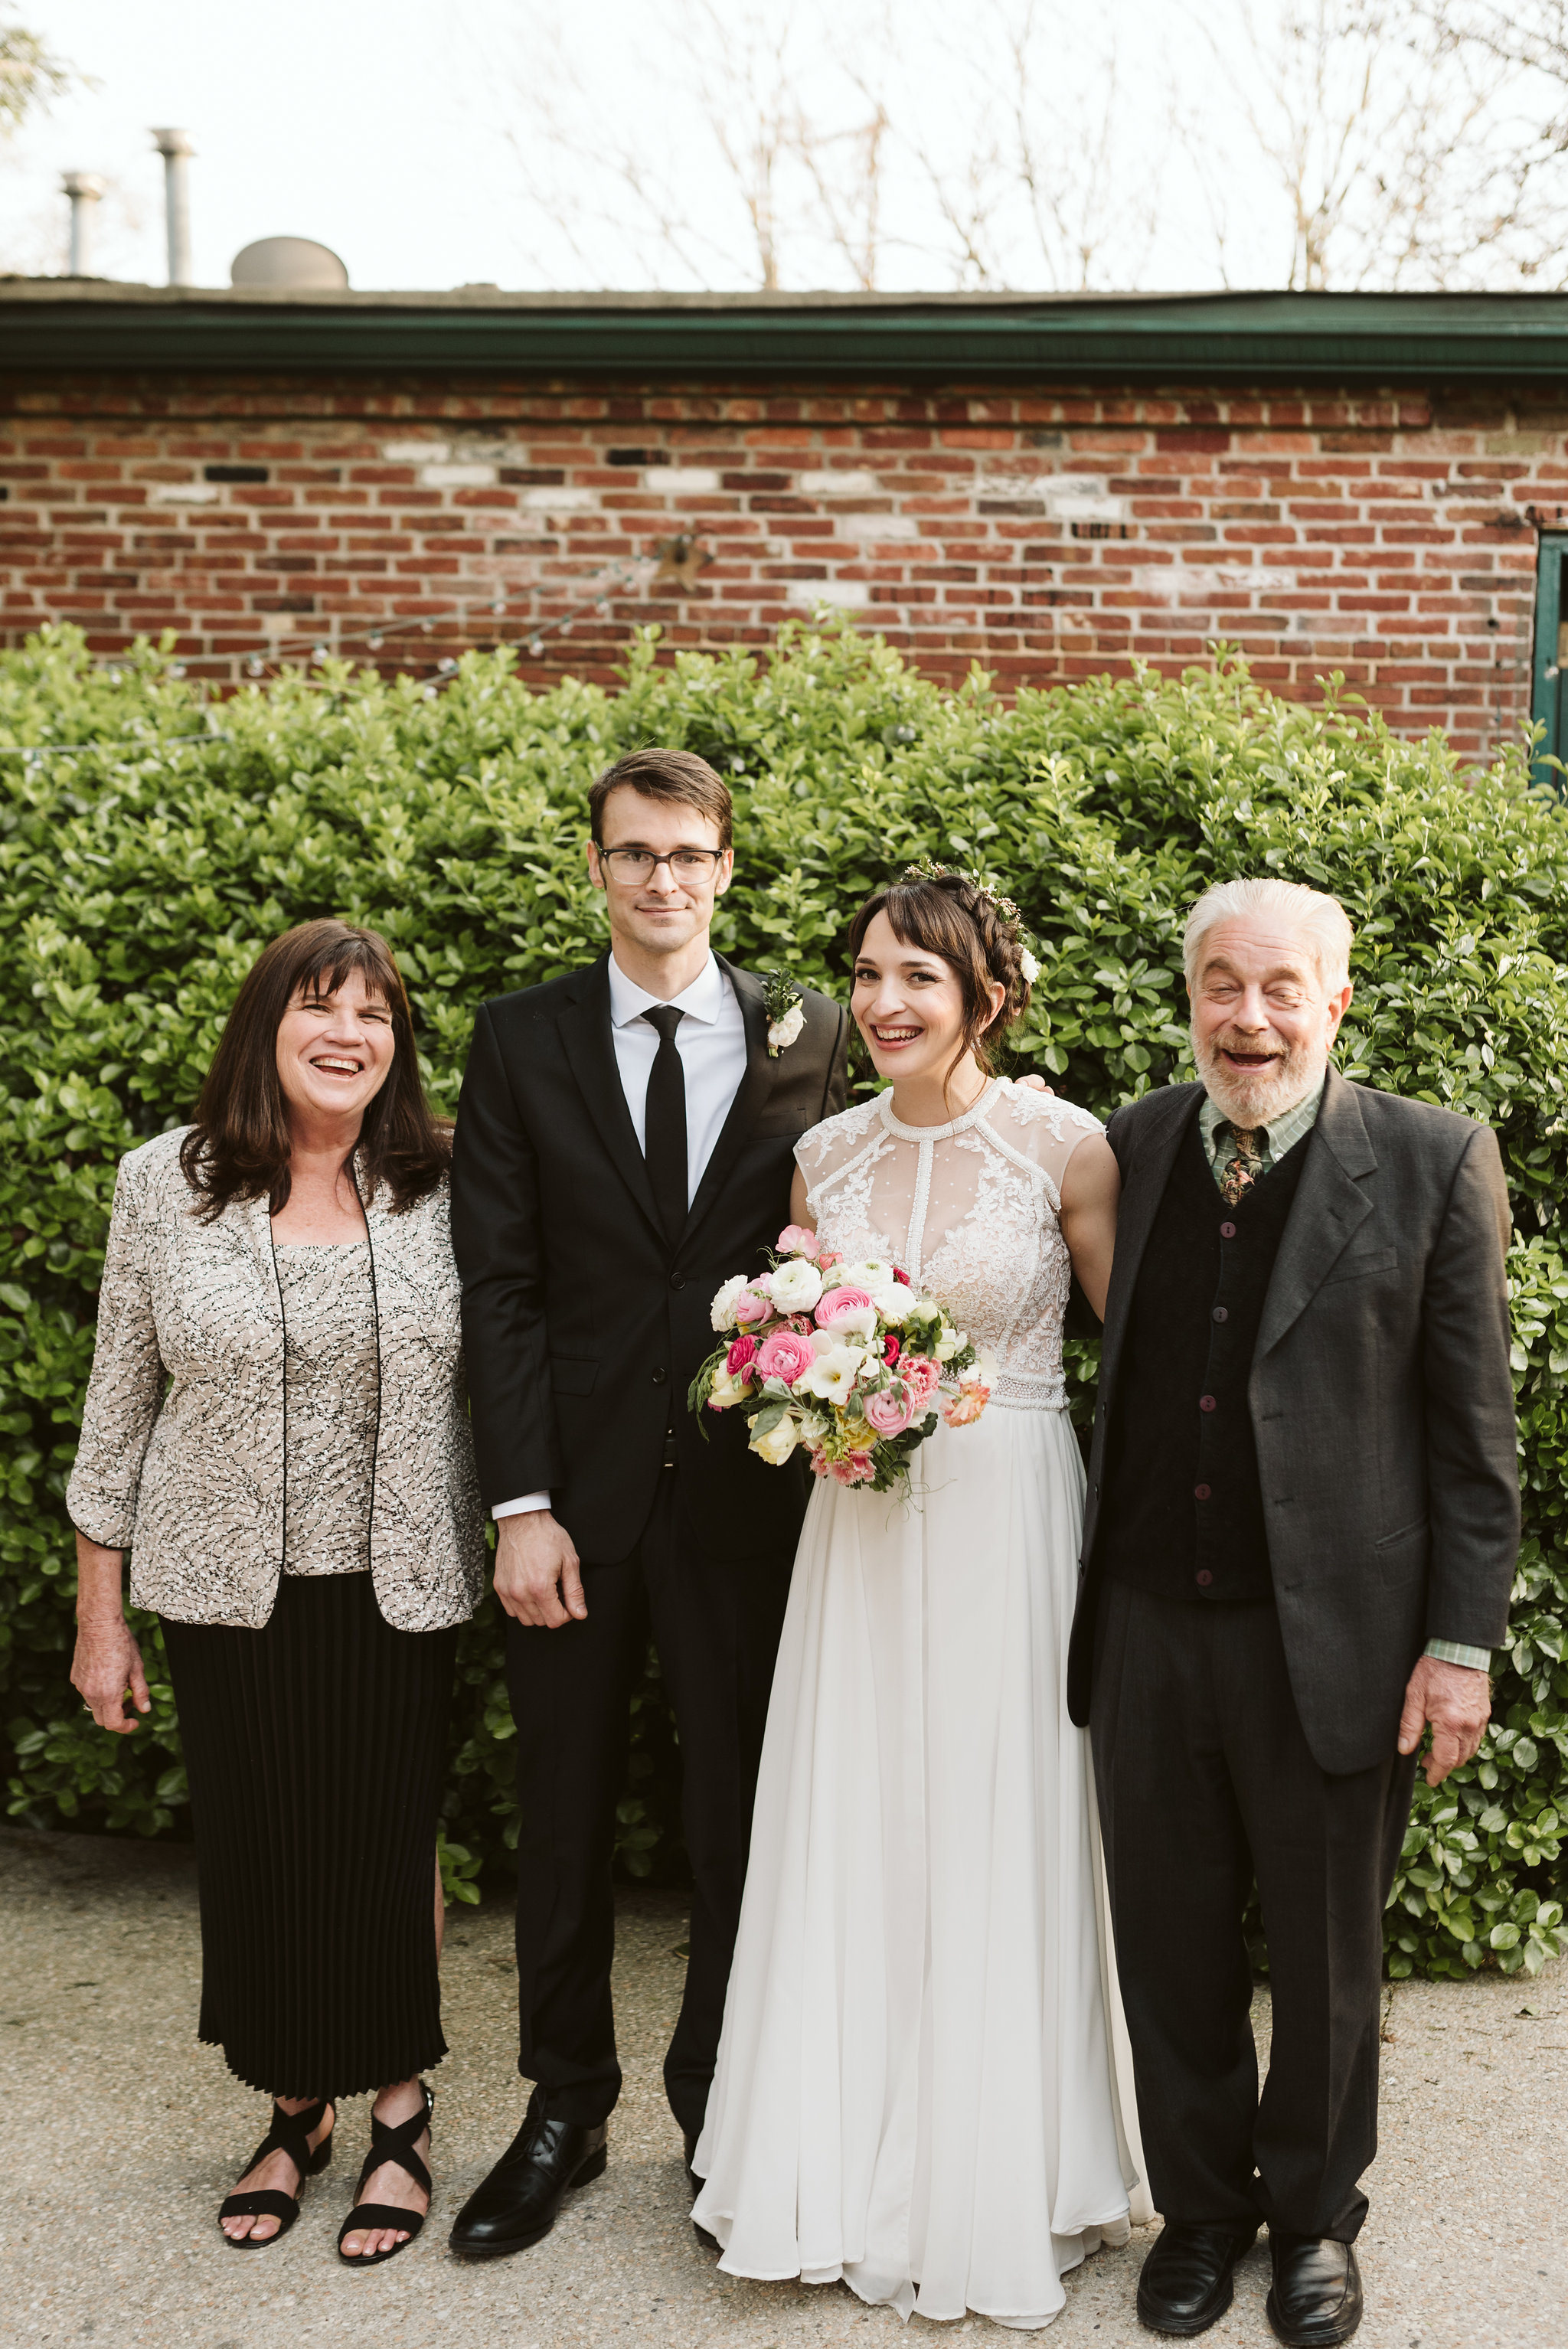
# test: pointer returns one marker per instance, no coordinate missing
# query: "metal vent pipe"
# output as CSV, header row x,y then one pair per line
x,y
175,148
84,188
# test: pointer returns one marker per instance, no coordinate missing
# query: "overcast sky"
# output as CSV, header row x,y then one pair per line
x,y
497,139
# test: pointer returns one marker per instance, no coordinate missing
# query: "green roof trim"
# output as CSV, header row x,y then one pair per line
x,y
64,326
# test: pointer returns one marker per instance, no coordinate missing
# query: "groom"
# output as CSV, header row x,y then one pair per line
x,y
624,1143
1298,1551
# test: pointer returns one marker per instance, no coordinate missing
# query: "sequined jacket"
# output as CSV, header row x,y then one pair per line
x,y
184,1443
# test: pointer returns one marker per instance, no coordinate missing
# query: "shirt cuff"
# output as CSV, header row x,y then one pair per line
x,y
518,1508
1454,1651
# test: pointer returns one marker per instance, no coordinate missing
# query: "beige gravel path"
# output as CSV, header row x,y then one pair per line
x,y
119,2134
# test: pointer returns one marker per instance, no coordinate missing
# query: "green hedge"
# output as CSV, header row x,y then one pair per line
x,y
141,874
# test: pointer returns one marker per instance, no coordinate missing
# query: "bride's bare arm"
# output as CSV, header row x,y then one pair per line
x,y
800,1213
1092,1186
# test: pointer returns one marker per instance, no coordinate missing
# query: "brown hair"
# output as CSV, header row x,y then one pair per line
x,y
679,776
948,916
239,1145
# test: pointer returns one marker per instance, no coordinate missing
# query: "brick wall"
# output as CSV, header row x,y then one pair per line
x,y
1048,536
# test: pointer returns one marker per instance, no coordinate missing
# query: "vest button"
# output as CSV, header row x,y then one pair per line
x,y
1227,1231
660,1377
1200,1491
1221,1312
1204,1577
1207,1402
677,1280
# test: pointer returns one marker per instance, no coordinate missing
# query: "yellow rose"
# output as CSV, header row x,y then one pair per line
x,y
728,1387
780,1439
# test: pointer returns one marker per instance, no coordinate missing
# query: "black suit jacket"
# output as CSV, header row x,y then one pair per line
x,y
578,1317
1382,1401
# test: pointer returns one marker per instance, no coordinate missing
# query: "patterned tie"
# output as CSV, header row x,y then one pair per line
x,y
1241,1161
665,1123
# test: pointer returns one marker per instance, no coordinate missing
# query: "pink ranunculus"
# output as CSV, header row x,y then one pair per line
x,y
921,1378
802,1324
740,1354
887,1413
839,1302
796,1240
903,1276
967,1405
830,1257
751,1305
891,1347
784,1354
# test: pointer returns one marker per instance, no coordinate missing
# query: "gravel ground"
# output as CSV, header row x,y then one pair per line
x,y
121,2135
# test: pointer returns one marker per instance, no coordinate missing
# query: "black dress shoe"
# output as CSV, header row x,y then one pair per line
x,y
1315,2302
1185,2285
520,2199
688,2138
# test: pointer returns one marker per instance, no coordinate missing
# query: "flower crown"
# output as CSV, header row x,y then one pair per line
x,y
926,869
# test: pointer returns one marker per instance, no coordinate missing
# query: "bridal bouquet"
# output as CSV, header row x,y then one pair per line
x,y
845,1359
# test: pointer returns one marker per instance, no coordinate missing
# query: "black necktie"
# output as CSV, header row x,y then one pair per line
x,y
665,1123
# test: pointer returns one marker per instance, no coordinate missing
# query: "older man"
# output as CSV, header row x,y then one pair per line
x,y
1302,1523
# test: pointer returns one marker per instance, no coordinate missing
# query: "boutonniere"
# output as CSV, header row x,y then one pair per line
x,y
786,1009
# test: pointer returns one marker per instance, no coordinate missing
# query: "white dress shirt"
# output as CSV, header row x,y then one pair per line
x,y
711,1041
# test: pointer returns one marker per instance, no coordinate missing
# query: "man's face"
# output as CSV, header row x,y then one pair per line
x,y
1262,1020
663,908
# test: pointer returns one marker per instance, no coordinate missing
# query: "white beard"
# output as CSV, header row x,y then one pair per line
x,y
1249,1101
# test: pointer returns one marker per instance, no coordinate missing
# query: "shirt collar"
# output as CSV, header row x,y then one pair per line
x,y
703,999
1285,1129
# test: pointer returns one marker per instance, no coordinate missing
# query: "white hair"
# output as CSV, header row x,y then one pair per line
x,y
1323,917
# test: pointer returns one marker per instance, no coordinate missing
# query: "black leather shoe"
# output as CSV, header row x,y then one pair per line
x,y
1185,2285
520,2199
1315,2302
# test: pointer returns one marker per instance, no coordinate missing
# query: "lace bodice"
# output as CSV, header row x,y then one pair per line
x,y
970,1212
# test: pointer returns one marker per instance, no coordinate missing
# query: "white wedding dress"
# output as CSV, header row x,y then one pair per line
x,y
924,2086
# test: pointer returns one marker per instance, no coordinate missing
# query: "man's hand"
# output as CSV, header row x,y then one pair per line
x,y
533,1555
1037,1084
1457,1701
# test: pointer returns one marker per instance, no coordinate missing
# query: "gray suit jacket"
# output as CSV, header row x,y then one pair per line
x,y
1381,1398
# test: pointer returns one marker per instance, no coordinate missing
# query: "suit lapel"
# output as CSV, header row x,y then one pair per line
x,y
750,1097
1328,1206
585,1033
1135,1217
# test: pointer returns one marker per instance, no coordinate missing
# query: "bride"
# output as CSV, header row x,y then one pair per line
x,y
919,2088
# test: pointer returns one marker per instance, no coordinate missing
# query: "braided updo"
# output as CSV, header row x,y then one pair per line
x,y
949,914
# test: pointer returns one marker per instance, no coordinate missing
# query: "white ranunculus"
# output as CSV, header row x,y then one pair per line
x,y
833,1373
783,1032
780,1439
875,1277
795,1286
723,1309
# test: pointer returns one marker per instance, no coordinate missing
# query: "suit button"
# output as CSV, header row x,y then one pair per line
x,y
661,1378
1227,1231
1207,1402
1220,1311
1204,1577
1200,1491
677,1280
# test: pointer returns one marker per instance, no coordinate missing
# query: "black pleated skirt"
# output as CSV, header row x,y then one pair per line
x,y
316,1751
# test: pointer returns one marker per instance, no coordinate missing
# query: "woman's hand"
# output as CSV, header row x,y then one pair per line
x,y
108,1661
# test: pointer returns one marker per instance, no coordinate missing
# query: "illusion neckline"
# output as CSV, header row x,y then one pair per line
x,y
971,1116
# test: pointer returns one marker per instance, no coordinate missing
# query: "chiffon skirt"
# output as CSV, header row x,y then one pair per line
x,y
922,2083
315,1749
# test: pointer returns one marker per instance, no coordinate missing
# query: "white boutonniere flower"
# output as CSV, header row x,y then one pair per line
x,y
786,1011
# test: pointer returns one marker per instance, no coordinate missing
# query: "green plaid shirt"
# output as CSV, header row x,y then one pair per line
x,y
1274,1140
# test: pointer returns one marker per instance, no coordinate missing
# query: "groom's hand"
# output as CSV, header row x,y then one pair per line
x,y
538,1578
1457,1701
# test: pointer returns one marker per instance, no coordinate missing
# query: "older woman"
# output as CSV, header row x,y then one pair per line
x,y
277,1428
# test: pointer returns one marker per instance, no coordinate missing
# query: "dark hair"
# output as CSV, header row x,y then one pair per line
x,y
679,776
239,1145
948,916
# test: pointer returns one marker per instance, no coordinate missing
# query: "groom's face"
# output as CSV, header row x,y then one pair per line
x,y
1262,1019
659,870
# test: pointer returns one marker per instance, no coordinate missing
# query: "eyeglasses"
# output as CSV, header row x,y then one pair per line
x,y
641,863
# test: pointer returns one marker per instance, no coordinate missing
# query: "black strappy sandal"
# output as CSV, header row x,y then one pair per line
x,y
290,2134
389,2144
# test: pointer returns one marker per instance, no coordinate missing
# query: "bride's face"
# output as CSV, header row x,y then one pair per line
x,y
908,1005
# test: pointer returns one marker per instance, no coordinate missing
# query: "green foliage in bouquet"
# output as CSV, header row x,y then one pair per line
x,y
139,875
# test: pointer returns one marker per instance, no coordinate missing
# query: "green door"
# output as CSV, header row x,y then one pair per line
x,y
1549,682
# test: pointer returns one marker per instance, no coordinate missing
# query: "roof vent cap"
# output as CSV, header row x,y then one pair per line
x,y
292,261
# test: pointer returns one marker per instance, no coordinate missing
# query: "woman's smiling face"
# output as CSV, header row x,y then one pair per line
x,y
907,1004
335,1049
